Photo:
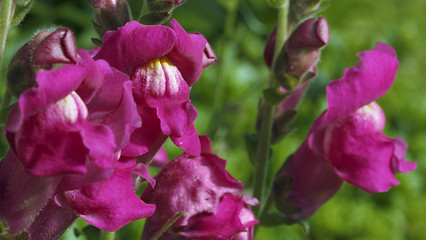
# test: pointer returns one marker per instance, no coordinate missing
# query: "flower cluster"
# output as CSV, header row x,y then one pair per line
x,y
86,124
80,132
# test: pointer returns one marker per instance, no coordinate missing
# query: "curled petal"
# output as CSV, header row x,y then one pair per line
x,y
113,106
110,205
361,154
370,79
187,54
232,217
136,44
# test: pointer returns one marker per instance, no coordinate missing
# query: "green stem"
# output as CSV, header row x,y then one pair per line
x,y
107,235
4,104
268,117
5,18
168,224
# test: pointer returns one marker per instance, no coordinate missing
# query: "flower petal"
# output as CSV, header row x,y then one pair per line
x,y
110,205
304,184
22,196
136,44
370,79
187,54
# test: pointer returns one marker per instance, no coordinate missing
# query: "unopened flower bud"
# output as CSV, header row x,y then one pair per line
x,y
110,14
41,52
57,47
301,52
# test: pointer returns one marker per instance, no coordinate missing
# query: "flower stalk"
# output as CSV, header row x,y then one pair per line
x,y
268,116
6,16
168,224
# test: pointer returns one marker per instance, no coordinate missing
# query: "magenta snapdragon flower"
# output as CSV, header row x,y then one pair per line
x,y
346,142
66,135
162,62
200,187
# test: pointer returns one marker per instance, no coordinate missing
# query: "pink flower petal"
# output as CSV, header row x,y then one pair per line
x,y
22,196
110,205
370,79
187,54
135,44
305,183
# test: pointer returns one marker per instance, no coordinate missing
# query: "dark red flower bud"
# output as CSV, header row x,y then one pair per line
x,y
301,52
109,15
58,47
40,53
313,33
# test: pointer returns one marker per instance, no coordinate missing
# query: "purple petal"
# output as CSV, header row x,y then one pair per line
x,y
96,73
110,205
232,216
189,184
187,54
143,171
189,141
49,143
370,79
398,161
291,102
305,183
100,142
51,223
22,196
361,154
136,44
113,106
142,139
53,86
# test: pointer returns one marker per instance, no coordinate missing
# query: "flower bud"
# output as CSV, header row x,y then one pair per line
x,y
110,14
301,52
40,53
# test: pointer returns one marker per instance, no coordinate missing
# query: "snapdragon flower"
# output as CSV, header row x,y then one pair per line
x,y
346,142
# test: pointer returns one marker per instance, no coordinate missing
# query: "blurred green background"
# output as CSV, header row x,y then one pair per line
x,y
228,92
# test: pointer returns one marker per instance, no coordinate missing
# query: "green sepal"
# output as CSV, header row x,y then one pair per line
x,y
251,141
159,6
22,7
97,42
286,81
273,96
154,18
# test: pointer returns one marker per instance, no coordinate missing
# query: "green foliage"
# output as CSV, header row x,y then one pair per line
x,y
228,92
